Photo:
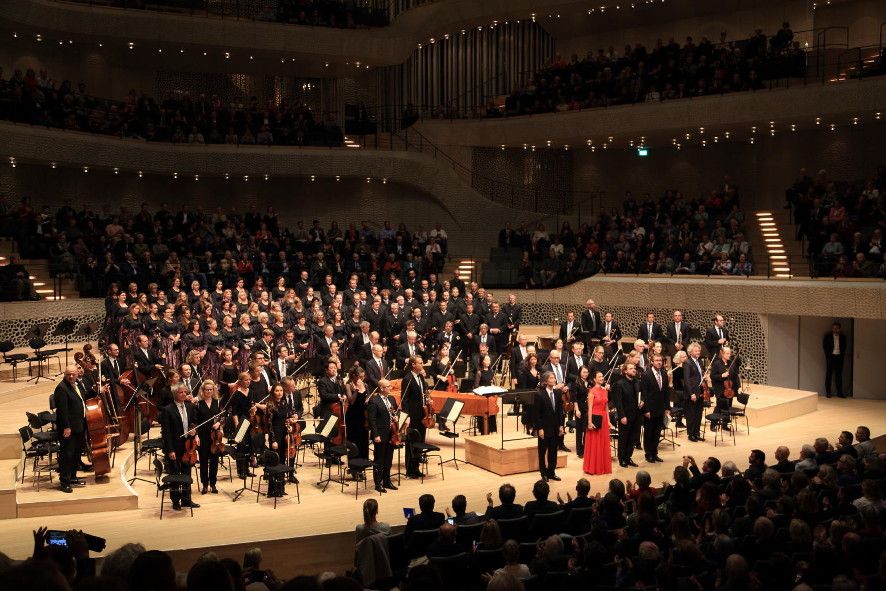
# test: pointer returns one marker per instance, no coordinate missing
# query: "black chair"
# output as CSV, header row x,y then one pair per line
x,y
719,424
546,524
397,552
169,481
528,551
578,520
487,561
418,542
41,358
152,448
454,570
468,534
36,452
737,413
514,529
424,451
358,467
12,359
274,473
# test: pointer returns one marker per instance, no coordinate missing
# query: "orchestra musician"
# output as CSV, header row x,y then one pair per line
x,y
722,369
410,348
112,365
361,343
654,394
485,376
440,368
469,324
576,360
293,400
176,420
693,374
514,313
578,392
591,322
241,404
716,336
377,367
144,358
676,332
598,361
558,370
610,334
70,409
206,408
570,328
357,392
548,419
278,414
650,330
498,326
381,416
413,391
626,397
483,337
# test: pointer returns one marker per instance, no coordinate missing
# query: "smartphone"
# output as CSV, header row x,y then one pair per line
x,y
450,520
408,512
55,537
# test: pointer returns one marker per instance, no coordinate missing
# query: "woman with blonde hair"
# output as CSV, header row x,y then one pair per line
x,y
207,413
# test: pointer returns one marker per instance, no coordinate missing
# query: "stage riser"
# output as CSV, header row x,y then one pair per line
x,y
10,472
75,505
769,404
517,457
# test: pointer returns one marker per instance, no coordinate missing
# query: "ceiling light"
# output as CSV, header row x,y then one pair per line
x,y
175,175
131,45
116,171
140,174
196,177
85,169
227,175
337,178
818,120
246,178
267,177
726,135
313,178
855,121
53,165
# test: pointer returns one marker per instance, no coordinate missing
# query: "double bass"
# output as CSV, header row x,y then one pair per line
x,y
98,431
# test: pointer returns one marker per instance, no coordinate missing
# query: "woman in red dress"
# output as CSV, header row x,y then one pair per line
x,y
598,458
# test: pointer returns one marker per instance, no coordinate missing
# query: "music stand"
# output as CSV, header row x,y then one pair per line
x,y
242,432
451,411
136,401
36,340
526,398
64,329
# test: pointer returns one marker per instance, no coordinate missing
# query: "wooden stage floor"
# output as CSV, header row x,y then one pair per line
x,y
321,525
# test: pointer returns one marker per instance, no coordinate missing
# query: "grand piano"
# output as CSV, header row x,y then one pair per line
x,y
476,406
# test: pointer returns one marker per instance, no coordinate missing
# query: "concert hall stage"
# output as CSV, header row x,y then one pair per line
x,y
321,526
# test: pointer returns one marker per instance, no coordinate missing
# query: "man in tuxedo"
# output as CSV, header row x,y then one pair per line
x,y
414,388
112,365
692,376
177,419
834,346
576,360
558,369
265,343
569,329
145,359
70,409
650,331
381,412
548,421
716,336
470,323
375,315
610,334
361,344
324,343
393,324
625,395
514,312
447,335
498,326
329,389
519,354
484,338
376,367
676,333
282,364
656,404
409,349
591,322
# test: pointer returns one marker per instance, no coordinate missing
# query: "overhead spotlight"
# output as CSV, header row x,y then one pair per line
x,y
631,143
716,139
384,180
246,178
368,179
818,120
196,177
175,175
313,178
101,44
833,127
326,64
589,142
131,45
267,177
85,169
159,50
877,115
140,174
688,135
337,178
753,129
181,50
752,140
53,165
566,147
726,135
772,132
38,37
855,121
116,171
250,58
204,54
701,130
227,176
704,143
793,127
14,35
548,142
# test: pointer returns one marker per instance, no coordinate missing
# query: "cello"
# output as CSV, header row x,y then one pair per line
x,y
97,428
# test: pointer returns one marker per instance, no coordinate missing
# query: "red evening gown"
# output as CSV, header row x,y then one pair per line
x,y
598,458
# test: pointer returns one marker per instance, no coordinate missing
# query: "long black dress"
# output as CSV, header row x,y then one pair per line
x,y
355,418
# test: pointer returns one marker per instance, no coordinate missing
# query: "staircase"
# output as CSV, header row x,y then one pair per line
x,y
38,270
775,251
467,269
867,62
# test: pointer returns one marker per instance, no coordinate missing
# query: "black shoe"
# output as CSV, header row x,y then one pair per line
x,y
176,507
379,488
204,490
554,477
650,459
79,482
65,488
631,463
657,459
292,479
623,464
413,475
213,489
693,438
563,448
389,486
190,504
85,468
545,478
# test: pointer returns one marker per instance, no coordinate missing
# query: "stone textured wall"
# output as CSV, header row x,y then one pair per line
x,y
18,318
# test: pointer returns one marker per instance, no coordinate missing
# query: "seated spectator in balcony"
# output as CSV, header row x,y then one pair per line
x,y
743,266
861,267
195,137
16,282
722,265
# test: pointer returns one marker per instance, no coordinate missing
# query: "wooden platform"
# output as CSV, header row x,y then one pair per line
x,y
517,457
770,404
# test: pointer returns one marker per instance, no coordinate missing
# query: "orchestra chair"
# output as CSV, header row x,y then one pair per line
x,y
150,447
358,466
169,481
738,413
274,470
668,433
720,421
36,451
425,451
41,358
454,570
12,359
546,524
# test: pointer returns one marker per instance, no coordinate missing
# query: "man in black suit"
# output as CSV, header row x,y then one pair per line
x,y
145,359
677,332
625,395
361,344
541,504
834,346
555,365
376,367
425,519
692,377
576,360
656,404
470,322
569,329
610,334
483,337
548,421
381,412
716,336
282,364
409,349
112,365
70,411
650,331
591,322
329,389
508,509
447,335
324,343
514,313
498,326
414,388
519,354
177,419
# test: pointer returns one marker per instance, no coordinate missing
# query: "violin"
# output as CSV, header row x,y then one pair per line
x,y
728,387
566,398
258,419
217,436
705,388
190,455
294,436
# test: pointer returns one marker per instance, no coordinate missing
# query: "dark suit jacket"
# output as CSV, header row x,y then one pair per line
x,y
329,392
378,417
670,336
145,362
321,346
172,429
691,377
586,323
490,342
549,367
565,334
827,344
711,338
533,508
423,521
624,396
655,401
512,511
614,328
572,367
643,332
547,417
412,397
374,373
108,370
69,408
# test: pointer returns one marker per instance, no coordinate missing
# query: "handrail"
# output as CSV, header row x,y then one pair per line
x,y
859,62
